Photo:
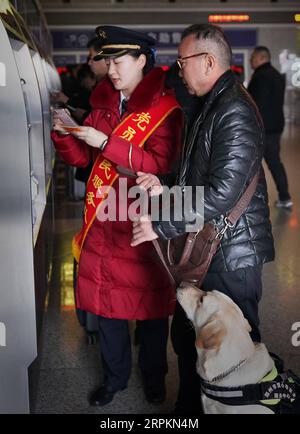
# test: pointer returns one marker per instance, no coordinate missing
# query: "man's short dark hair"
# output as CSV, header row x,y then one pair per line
x,y
261,49
212,33
95,43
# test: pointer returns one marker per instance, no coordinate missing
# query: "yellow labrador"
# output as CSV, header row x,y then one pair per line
x,y
227,357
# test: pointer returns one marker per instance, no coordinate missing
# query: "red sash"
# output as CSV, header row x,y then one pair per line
x,y
136,128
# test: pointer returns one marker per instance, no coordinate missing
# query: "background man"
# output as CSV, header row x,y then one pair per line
x,y
267,88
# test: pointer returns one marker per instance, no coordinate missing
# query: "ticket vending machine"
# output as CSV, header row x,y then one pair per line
x,y
25,174
33,107
17,304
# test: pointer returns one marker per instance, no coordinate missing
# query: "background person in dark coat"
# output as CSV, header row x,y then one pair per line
x,y
98,67
191,105
72,96
267,88
223,152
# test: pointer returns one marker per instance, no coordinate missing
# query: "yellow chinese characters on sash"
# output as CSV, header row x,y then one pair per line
x,y
136,129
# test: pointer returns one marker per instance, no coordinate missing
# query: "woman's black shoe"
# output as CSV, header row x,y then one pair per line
x,y
102,396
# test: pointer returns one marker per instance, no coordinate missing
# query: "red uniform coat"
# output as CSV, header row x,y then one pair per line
x,y
116,280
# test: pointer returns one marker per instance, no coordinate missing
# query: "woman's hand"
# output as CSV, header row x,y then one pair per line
x,y
142,231
147,181
57,126
91,136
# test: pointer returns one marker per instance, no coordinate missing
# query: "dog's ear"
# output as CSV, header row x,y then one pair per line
x,y
247,325
244,320
211,335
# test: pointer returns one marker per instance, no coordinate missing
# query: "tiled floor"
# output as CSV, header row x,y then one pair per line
x,y
69,368
280,306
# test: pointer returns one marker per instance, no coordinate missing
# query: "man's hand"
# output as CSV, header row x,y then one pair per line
x,y
147,181
91,136
143,231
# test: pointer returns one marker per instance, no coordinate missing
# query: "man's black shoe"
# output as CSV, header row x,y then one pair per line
x,y
186,407
155,391
103,396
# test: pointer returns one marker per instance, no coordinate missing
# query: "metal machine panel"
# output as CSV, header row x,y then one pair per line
x,y
48,149
17,297
33,106
53,84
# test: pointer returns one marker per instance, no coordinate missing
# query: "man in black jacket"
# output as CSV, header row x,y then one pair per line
x,y
223,151
267,88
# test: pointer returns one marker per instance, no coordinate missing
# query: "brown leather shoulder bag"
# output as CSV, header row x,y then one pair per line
x,y
187,258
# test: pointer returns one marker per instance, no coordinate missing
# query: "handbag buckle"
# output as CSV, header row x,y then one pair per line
x,y
220,234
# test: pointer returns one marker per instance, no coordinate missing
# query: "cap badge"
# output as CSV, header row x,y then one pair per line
x,y
102,34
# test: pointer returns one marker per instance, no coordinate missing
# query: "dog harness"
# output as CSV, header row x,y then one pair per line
x,y
278,391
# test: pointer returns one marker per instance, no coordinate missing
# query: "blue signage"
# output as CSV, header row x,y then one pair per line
x,y
165,59
76,40
63,60
71,39
238,58
241,38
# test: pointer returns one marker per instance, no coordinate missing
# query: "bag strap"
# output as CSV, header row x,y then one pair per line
x,y
244,201
188,247
162,258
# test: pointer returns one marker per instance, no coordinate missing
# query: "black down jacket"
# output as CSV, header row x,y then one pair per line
x,y
222,152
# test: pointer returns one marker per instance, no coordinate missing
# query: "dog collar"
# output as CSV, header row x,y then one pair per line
x,y
272,375
226,373
281,390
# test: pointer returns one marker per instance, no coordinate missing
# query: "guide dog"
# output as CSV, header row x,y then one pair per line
x,y
238,375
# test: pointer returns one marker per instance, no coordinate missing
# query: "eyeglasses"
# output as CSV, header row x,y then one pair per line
x,y
180,59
